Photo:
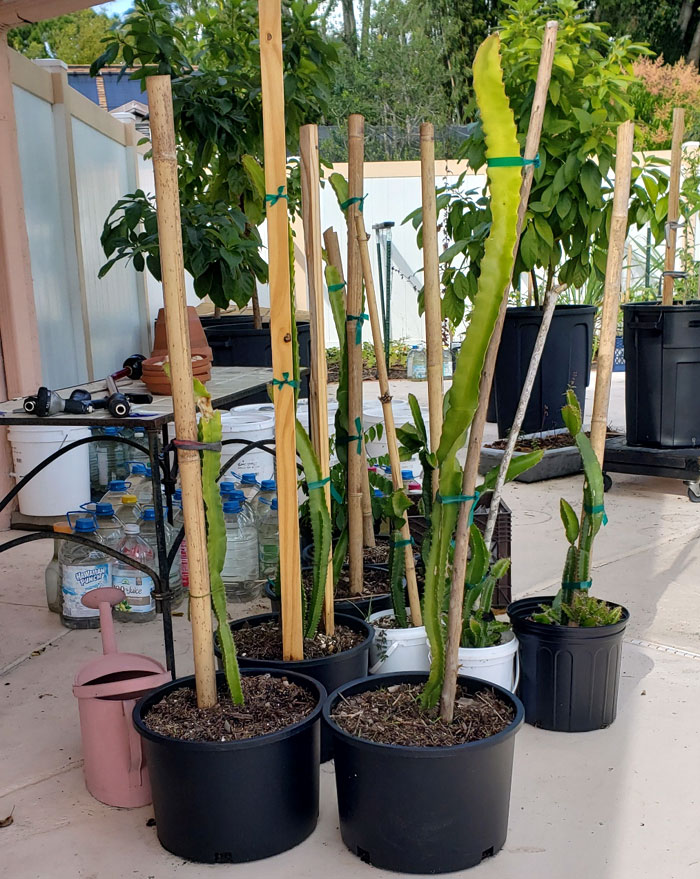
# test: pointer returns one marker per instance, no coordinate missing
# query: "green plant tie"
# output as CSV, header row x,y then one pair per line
x,y
334,288
577,584
512,162
285,381
351,439
360,318
354,199
273,198
461,499
408,542
599,508
312,486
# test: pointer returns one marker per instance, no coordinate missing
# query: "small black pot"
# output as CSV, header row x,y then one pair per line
x,y
569,677
422,810
330,671
307,554
360,609
216,802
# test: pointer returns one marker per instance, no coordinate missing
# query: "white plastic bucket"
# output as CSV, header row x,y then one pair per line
x,y
397,649
63,485
373,415
498,665
251,427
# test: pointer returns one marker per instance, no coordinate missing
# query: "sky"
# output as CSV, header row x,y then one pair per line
x,y
117,7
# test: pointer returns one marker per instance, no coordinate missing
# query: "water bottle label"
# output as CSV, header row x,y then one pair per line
x,y
138,589
419,371
79,579
269,557
184,565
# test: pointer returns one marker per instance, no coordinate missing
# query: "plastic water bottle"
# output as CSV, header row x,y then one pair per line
x,y
419,364
129,511
247,509
140,483
263,499
178,522
240,572
52,574
269,541
226,486
249,486
139,436
148,533
447,364
106,461
116,489
82,568
406,478
109,528
139,605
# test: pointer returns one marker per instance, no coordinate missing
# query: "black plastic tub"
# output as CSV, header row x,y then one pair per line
x,y
422,810
569,677
662,366
566,363
361,608
232,802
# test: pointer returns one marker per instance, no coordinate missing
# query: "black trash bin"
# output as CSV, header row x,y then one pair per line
x,y
662,359
566,363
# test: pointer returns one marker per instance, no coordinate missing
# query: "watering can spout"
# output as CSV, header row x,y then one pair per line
x,y
104,599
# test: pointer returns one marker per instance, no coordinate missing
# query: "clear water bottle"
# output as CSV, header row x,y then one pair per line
x,y
140,482
178,523
240,572
109,528
406,478
249,486
139,436
419,364
263,499
447,365
139,606
129,511
52,575
269,541
148,533
82,568
116,489
226,486
106,461
247,509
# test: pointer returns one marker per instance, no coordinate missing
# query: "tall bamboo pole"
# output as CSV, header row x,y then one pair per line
x,y
431,289
611,296
356,134
674,187
385,399
281,323
476,433
318,380
160,102
330,239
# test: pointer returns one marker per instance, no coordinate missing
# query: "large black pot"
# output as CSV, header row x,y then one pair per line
x,y
569,676
330,671
361,608
234,341
230,802
566,363
422,810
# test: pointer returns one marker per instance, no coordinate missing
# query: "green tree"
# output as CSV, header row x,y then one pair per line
x,y
74,38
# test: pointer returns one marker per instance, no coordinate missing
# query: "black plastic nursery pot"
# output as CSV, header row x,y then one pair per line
x,y
423,810
569,677
361,608
566,363
232,802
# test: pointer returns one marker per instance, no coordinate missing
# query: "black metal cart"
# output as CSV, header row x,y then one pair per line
x,y
671,463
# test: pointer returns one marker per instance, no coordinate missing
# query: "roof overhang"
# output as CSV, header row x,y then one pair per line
x,y
17,12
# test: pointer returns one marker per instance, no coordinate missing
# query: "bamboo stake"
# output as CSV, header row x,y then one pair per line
x,y
431,289
674,186
611,296
318,379
356,133
160,102
476,433
281,323
385,399
330,239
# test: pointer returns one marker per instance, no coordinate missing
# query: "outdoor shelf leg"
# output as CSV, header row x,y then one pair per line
x,y
162,605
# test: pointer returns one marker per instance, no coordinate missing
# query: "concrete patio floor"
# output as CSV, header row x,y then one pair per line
x,y
621,803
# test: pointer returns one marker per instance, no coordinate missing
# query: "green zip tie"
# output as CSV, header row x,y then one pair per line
x,y
577,584
320,483
334,494
355,199
360,318
333,288
285,381
408,542
512,162
461,499
273,198
599,508
358,437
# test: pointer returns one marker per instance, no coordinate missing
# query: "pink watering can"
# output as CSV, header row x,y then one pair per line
x,y
107,689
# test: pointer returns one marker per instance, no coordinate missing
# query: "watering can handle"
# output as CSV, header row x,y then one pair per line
x,y
135,751
377,665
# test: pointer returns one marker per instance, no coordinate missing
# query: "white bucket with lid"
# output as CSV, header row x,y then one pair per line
x,y
394,650
250,426
63,485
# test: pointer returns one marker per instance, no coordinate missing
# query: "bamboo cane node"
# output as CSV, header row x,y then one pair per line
x,y
386,398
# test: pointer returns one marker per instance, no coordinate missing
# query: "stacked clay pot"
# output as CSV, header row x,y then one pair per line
x,y
154,376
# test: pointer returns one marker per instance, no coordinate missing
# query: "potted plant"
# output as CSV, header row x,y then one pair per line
x,y
571,643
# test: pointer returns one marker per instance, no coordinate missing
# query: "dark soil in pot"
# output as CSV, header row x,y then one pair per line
x,y
433,808
372,555
361,606
263,640
551,441
209,795
569,676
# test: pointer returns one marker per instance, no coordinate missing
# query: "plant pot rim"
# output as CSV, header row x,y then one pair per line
x,y
389,612
509,634
423,752
270,592
520,610
657,305
241,744
537,309
352,622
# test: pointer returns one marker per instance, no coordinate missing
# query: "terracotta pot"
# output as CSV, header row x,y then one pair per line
x,y
197,337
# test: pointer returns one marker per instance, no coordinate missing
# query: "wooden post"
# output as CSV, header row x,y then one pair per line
x,y
356,133
318,379
281,323
160,104
674,187
431,289
476,433
611,296
385,399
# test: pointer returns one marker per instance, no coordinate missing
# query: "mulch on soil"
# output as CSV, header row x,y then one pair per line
x,y
557,441
375,582
393,716
271,704
264,641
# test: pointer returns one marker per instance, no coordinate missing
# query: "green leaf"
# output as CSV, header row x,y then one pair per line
x,y
519,463
591,183
570,520
529,247
544,230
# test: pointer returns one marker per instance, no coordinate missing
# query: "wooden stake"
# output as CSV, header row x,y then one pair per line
x,y
356,134
431,289
611,296
281,323
476,433
318,379
385,400
160,102
674,188
330,239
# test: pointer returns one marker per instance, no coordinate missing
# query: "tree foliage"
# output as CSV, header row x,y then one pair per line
x,y
74,38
